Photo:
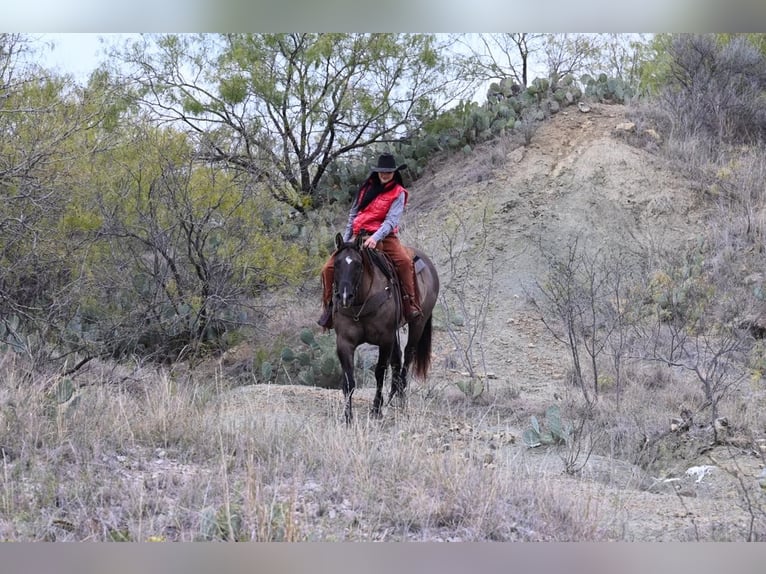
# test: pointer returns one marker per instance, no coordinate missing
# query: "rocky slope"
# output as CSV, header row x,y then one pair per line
x,y
578,177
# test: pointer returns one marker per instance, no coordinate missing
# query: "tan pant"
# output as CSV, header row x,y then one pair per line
x,y
392,247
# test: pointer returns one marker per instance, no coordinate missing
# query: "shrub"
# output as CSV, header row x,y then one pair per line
x,y
715,90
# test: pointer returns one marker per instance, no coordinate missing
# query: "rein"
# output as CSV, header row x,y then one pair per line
x,y
358,311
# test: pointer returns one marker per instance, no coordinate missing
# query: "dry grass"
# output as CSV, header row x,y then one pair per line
x,y
181,454
169,459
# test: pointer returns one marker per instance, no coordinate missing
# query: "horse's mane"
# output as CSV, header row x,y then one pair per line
x,y
374,258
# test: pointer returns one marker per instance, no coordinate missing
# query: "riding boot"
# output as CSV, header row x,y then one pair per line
x,y
325,321
411,308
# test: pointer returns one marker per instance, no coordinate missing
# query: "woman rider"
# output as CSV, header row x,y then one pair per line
x,y
377,209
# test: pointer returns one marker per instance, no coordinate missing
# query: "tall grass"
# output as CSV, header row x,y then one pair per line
x,y
169,459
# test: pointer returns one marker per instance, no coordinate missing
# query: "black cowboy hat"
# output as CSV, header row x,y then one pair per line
x,y
387,163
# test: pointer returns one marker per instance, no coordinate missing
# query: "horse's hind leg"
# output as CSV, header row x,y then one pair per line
x,y
398,384
409,354
384,357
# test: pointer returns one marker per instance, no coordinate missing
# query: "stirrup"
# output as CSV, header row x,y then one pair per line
x,y
411,312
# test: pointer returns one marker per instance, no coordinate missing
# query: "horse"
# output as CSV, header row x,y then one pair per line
x,y
367,309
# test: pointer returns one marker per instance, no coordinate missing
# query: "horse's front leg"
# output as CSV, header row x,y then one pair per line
x,y
346,358
384,357
348,392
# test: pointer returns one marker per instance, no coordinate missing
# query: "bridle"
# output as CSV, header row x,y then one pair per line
x,y
371,302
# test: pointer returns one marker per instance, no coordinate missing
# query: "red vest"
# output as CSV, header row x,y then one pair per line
x,y
373,215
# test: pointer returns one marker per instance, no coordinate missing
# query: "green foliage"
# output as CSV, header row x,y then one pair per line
x,y
552,431
193,244
234,89
337,87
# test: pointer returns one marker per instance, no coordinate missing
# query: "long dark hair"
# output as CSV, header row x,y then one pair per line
x,y
373,187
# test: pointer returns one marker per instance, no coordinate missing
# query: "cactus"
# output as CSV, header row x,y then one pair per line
x,y
316,364
287,355
472,388
540,85
553,432
307,337
64,390
498,126
603,88
328,365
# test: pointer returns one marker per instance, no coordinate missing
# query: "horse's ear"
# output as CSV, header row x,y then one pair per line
x,y
338,241
359,241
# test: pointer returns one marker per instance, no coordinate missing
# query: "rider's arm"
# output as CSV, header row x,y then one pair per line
x,y
350,224
392,218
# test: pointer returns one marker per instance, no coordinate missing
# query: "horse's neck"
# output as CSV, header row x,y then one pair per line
x,y
382,265
373,279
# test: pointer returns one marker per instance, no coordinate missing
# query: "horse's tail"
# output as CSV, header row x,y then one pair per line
x,y
422,360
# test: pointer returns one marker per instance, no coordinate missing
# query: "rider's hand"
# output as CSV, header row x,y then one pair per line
x,y
370,243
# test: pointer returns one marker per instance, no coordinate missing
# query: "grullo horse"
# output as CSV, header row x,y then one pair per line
x,y
367,309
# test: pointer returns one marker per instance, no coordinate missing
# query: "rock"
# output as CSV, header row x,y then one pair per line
x,y
653,134
625,127
753,279
699,472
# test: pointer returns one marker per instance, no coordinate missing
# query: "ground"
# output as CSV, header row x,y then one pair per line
x,y
577,177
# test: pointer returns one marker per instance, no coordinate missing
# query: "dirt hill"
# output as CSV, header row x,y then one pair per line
x,y
578,177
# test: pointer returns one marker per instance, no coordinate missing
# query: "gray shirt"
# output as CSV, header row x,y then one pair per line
x,y
389,223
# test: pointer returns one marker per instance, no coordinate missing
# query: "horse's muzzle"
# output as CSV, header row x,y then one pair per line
x,y
345,296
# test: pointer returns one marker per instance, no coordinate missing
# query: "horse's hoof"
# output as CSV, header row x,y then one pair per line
x,y
397,401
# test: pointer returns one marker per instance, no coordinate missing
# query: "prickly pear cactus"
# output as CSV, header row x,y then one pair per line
x,y
315,363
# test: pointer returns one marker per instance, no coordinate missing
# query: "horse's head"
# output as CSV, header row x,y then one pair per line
x,y
349,266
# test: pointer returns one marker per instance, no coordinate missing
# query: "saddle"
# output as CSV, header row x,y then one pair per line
x,y
383,262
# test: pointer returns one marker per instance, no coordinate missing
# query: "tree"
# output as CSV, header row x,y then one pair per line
x,y
624,56
283,107
43,118
570,53
180,252
501,56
